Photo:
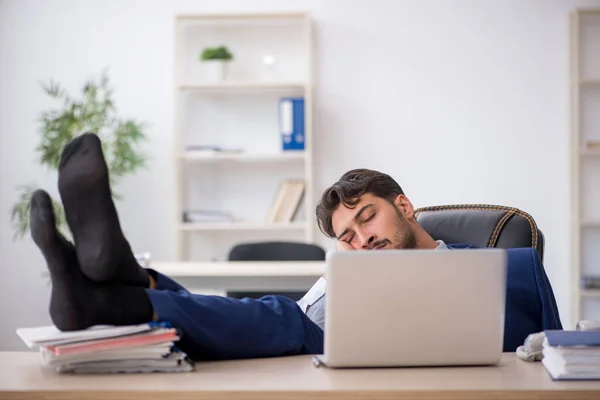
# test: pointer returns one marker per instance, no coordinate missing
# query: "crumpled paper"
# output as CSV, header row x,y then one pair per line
x,y
534,344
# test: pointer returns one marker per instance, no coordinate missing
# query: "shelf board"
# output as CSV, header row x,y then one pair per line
x,y
199,156
590,293
589,223
589,82
242,226
242,86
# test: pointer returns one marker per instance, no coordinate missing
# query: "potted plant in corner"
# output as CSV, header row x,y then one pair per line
x,y
94,111
215,61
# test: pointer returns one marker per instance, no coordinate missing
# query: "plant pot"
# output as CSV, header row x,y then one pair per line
x,y
214,70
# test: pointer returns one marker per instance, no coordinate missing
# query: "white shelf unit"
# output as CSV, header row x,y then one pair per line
x,y
240,112
585,161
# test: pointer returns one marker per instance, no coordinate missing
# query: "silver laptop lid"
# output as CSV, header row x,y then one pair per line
x,y
415,307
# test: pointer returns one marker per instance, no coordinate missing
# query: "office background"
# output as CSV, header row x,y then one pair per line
x,y
460,101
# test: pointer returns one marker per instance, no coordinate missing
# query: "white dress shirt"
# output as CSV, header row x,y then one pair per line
x,y
313,302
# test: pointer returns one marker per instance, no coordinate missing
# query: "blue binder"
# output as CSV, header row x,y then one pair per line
x,y
291,123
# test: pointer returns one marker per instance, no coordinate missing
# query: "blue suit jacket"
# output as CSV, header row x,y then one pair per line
x,y
530,303
223,328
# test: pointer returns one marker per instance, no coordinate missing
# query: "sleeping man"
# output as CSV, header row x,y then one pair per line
x,y
97,280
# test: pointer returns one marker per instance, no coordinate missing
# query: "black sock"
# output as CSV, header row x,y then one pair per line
x,y
76,301
103,252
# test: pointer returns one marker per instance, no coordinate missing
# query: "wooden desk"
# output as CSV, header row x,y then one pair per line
x,y
22,377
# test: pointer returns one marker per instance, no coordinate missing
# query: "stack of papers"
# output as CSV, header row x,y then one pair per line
x,y
108,349
572,355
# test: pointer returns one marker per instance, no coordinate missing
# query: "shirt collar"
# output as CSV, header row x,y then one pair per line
x,y
441,245
314,294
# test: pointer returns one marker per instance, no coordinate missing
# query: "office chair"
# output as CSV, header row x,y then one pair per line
x,y
482,225
274,251
530,303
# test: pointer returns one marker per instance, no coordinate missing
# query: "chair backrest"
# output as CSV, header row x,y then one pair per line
x,y
482,225
276,251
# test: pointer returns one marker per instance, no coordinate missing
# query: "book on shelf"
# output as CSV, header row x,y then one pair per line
x,y
572,355
287,202
108,349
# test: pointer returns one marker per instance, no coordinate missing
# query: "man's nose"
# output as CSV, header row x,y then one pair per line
x,y
366,240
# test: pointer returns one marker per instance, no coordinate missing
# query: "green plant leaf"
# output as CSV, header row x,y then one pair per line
x,y
93,111
21,212
216,53
19,215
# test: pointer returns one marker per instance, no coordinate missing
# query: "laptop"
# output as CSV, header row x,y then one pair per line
x,y
401,308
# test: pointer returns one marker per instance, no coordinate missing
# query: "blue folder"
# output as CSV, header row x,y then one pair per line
x,y
291,123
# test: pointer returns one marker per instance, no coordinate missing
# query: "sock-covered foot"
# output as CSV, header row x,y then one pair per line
x,y
103,252
77,302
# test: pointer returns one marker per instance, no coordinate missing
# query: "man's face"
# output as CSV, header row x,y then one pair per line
x,y
374,224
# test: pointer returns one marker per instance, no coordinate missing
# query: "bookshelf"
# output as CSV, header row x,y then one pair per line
x,y
585,162
240,115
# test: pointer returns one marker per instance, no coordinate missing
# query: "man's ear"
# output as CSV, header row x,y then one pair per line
x,y
405,206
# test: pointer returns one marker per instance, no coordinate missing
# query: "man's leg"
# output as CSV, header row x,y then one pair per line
x,y
103,252
217,327
77,302
213,327
83,181
163,282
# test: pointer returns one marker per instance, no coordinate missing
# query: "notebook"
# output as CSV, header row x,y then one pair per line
x,y
572,355
51,335
109,349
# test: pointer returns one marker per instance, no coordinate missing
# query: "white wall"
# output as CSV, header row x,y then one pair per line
x,y
461,101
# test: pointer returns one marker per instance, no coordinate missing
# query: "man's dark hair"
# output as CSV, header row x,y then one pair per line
x,y
348,190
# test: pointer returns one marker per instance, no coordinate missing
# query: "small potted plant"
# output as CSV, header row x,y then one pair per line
x,y
215,60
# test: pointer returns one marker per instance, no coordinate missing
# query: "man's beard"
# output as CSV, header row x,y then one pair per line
x,y
405,235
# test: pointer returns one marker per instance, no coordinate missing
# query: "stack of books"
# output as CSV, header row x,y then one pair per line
x,y
590,282
572,355
108,349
